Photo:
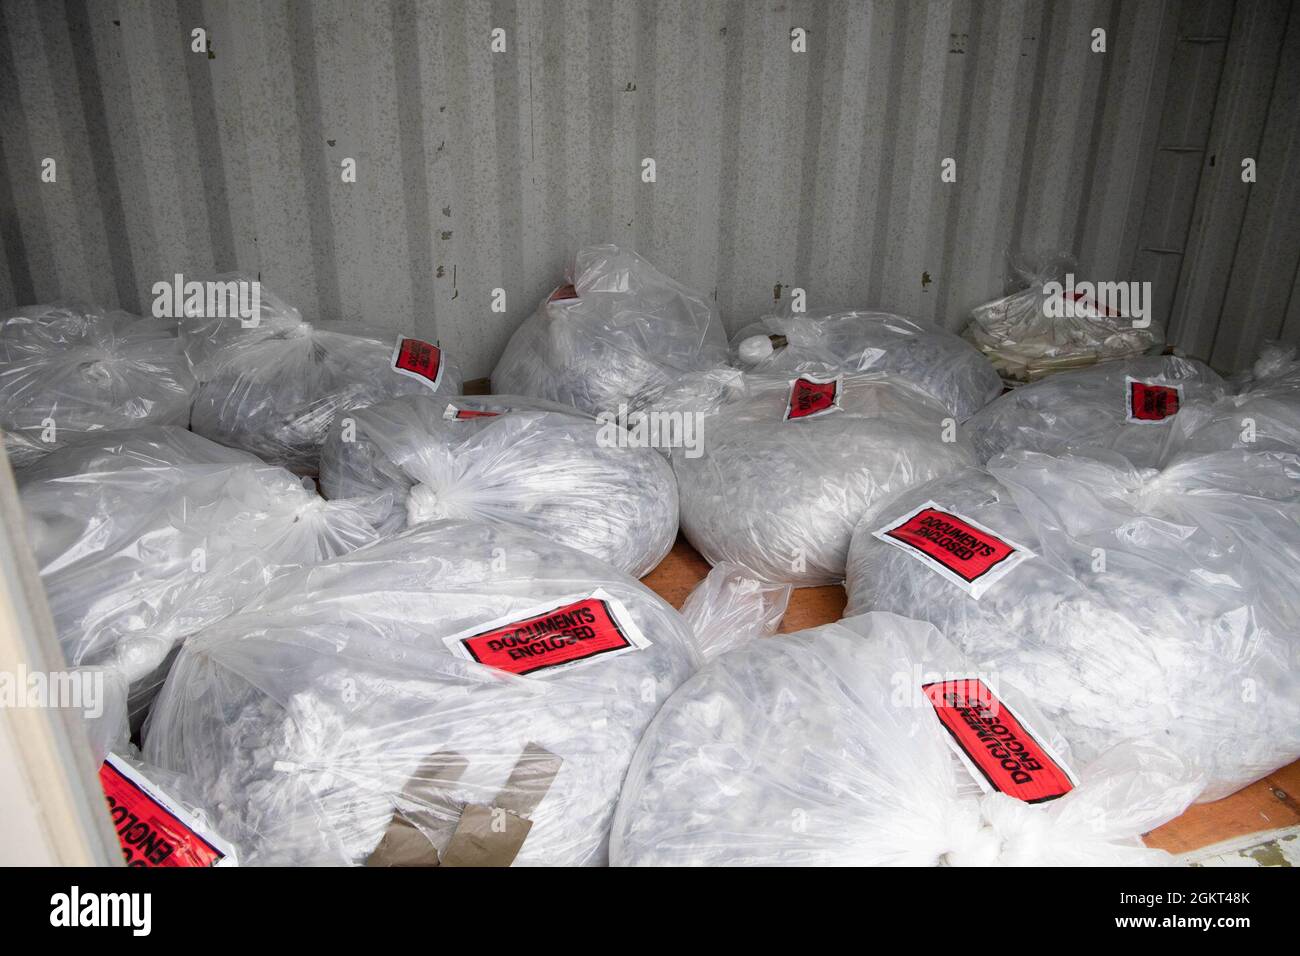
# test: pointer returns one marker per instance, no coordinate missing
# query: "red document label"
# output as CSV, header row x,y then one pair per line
x,y
810,397
965,552
1003,753
553,636
419,360
1152,401
454,414
151,832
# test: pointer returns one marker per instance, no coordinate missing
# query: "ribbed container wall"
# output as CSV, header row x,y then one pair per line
x,y
479,170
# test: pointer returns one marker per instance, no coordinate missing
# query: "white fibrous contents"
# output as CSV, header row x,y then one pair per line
x,y
275,386
1089,407
1155,604
618,335
68,370
828,343
781,497
510,460
145,536
820,748
303,720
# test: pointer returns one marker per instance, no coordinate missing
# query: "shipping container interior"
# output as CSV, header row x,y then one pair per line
x,y
431,167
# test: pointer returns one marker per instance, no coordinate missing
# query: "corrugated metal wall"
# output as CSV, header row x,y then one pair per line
x,y
478,170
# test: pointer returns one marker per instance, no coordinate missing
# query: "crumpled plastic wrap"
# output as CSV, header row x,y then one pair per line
x,y
827,343
620,332
780,497
274,388
1090,407
731,607
1024,343
1264,415
509,460
1155,604
145,536
820,748
330,723
86,369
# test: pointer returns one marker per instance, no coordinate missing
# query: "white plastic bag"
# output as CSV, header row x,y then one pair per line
x,y
67,370
509,460
828,343
824,748
1126,602
1264,415
1128,405
1032,332
274,387
340,718
145,536
619,333
780,495
731,607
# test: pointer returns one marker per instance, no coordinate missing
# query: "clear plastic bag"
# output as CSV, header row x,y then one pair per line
x,y
779,497
1025,343
822,748
617,334
146,536
508,460
67,370
1101,406
731,607
828,343
1151,604
274,387
341,718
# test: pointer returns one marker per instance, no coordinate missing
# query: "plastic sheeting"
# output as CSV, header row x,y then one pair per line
x,y
620,333
145,536
67,370
509,460
731,607
341,718
1129,406
821,748
274,387
779,497
1151,604
828,343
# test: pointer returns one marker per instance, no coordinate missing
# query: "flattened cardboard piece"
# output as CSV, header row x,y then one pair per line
x,y
483,835
406,841
493,836
486,836
529,781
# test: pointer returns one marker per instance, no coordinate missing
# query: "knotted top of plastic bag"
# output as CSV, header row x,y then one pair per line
x,y
272,384
145,536
619,331
343,717
822,748
69,369
510,460
1133,602
1128,405
943,364
780,496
